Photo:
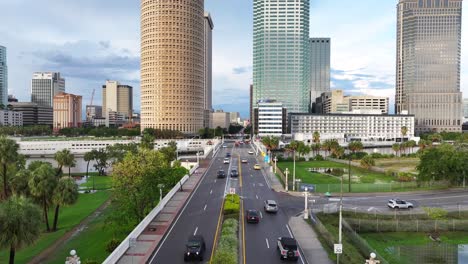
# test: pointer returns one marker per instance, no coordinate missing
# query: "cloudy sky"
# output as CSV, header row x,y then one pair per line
x,y
91,41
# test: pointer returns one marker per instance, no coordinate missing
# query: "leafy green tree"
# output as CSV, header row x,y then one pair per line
x,y
303,149
147,141
367,162
411,144
101,158
436,164
8,156
42,185
66,193
436,137
270,142
170,152
19,224
118,151
135,182
88,157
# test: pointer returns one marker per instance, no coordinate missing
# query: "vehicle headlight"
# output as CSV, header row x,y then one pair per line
x,y
197,253
188,253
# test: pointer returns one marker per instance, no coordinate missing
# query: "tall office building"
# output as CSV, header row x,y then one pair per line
x,y
172,65
208,91
44,86
3,77
428,63
319,68
465,108
67,110
117,98
281,53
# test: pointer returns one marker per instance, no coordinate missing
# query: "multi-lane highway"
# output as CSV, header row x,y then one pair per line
x,y
199,216
201,213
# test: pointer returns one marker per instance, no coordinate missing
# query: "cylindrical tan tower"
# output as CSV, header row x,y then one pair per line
x,y
172,71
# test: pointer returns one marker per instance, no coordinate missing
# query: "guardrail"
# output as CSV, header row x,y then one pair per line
x,y
124,246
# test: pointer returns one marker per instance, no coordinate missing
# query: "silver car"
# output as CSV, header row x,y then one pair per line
x,y
270,206
399,204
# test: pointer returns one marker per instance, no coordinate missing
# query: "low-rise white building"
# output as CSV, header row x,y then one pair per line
x,y
11,118
346,127
270,119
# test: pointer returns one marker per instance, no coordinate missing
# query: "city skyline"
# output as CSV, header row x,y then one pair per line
x,y
66,47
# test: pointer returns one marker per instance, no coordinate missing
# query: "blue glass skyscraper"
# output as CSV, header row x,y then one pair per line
x,y
281,53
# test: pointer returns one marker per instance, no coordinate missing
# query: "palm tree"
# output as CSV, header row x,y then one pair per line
x,y
404,131
8,155
42,185
270,142
19,183
64,158
396,148
316,148
316,137
19,224
88,157
411,144
355,146
422,144
293,146
66,193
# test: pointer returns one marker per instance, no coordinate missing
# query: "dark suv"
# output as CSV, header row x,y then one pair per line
x,y
195,248
221,174
234,173
287,248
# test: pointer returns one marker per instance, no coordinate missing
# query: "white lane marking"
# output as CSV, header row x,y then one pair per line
x,y
181,212
256,196
253,184
204,208
290,233
268,245
261,215
211,191
215,180
196,229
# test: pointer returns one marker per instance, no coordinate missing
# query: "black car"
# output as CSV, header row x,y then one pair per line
x,y
228,155
287,248
252,216
221,174
234,173
195,248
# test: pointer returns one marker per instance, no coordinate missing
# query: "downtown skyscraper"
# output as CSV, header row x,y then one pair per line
x,y
428,63
3,77
281,53
172,65
319,68
44,86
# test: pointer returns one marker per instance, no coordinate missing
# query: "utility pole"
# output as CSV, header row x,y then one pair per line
x,y
286,182
294,170
306,197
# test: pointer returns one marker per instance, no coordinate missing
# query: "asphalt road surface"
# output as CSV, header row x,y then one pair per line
x,y
200,215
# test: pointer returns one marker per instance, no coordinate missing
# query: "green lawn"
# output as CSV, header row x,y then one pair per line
x,y
91,242
358,175
69,217
100,182
381,242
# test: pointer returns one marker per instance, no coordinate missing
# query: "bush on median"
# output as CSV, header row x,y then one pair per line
x,y
231,206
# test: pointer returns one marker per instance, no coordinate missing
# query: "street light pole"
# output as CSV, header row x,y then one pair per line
x,y
294,170
286,182
340,221
275,159
306,197
349,173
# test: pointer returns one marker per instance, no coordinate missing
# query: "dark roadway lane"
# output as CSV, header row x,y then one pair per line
x,y
261,238
201,215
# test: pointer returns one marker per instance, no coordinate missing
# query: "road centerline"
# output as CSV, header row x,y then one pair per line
x,y
268,245
196,229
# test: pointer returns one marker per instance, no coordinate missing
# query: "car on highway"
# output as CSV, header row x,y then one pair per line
x,y
228,155
244,161
252,216
195,248
221,174
251,152
270,206
226,160
257,167
234,172
287,248
224,146
399,204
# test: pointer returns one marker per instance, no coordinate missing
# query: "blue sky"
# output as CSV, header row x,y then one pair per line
x,y
91,41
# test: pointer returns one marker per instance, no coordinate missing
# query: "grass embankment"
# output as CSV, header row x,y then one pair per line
x,y
228,245
398,164
91,242
69,217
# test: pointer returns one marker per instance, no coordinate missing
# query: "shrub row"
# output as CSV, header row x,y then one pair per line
x,y
231,206
227,250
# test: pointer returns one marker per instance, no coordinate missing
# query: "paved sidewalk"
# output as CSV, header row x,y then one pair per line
x,y
313,251
147,242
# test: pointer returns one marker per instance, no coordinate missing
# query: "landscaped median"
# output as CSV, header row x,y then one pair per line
x,y
226,251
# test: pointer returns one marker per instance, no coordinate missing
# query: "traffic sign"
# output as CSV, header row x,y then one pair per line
x,y
267,158
310,187
338,248
232,190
